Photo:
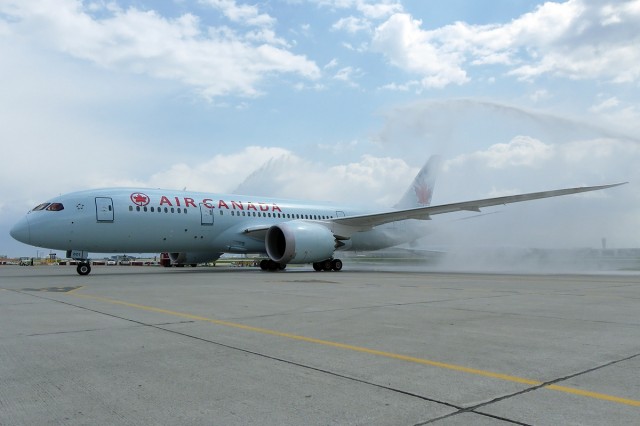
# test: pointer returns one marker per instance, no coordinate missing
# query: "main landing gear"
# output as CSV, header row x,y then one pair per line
x,y
270,265
325,265
328,265
84,267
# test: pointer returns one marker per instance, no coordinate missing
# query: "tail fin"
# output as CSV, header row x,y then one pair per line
x,y
421,190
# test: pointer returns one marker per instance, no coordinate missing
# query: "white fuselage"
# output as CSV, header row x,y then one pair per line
x,y
147,221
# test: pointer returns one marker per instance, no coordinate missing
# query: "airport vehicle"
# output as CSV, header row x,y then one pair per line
x,y
26,261
196,227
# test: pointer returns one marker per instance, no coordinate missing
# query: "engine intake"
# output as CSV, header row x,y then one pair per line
x,y
299,242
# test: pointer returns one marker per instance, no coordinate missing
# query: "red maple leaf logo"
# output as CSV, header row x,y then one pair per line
x,y
423,193
140,199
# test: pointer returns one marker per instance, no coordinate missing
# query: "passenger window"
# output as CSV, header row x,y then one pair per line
x,y
137,208
145,208
130,208
152,210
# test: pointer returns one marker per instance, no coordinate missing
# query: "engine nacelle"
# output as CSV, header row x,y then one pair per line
x,y
299,242
192,258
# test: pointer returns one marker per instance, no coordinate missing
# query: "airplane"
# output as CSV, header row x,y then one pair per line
x,y
195,227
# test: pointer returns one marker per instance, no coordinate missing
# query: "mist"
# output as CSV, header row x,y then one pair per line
x,y
490,150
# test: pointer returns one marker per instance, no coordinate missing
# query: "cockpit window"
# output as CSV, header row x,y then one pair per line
x,y
40,207
55,207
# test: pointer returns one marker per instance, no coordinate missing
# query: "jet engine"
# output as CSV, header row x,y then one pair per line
x,y
191,258
299,242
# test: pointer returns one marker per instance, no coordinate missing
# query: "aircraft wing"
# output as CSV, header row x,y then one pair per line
x,y
367,221
258,232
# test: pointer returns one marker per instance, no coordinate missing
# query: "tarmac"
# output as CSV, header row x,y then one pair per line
x,y
365,346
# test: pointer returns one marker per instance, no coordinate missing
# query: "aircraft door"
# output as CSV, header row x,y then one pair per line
x,y
104,209
206,215
339,213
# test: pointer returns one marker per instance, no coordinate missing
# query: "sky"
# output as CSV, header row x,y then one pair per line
x,y
336,100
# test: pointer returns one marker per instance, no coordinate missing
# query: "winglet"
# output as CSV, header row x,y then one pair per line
x,y
421,190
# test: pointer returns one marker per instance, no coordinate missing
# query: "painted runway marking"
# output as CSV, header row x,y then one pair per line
x,y
391,355
53,289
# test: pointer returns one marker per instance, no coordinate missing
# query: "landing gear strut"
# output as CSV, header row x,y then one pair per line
x,y
84,268
328,265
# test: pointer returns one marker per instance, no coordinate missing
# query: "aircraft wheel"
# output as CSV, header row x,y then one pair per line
x,y
282,266
83,268
264,264
336,265
326,265
317,266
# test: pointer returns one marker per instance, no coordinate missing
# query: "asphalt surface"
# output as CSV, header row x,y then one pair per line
x,y
237,346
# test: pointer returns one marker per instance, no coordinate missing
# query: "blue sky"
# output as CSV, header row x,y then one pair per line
x,y
338,100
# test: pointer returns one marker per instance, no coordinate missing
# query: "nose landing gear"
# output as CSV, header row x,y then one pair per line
x,y
84,268
82,257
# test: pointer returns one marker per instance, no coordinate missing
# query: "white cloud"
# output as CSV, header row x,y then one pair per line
x,y
371,9
220,173
347,74
520,151
351,24
606,104
577,39
597,151
616,112
332,64
373,180
216,61
243,14
408,47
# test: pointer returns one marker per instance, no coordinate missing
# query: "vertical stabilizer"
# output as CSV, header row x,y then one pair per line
x,y
421,190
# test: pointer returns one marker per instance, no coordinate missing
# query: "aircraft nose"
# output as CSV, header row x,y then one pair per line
x,y
21,232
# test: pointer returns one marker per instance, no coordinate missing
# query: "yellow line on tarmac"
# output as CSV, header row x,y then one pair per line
x,y
484,373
